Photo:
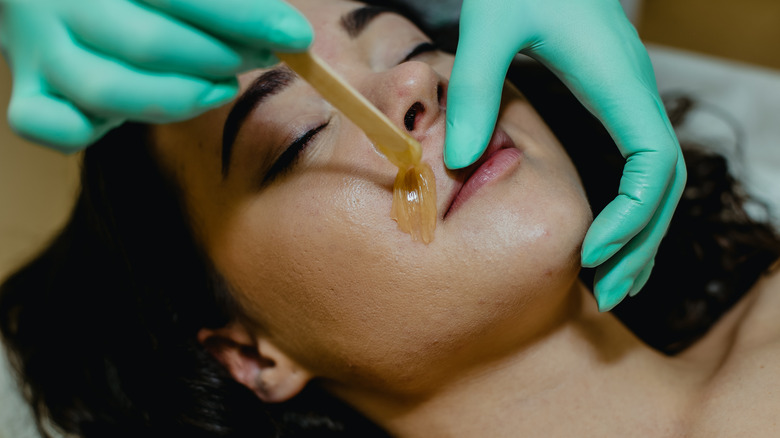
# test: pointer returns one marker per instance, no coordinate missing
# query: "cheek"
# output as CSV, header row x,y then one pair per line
x,y
528,247
524,235
547,221
330,279
310,252
321,266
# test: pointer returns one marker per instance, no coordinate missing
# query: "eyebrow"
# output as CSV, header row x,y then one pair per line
x,y
356,21
266,85
276,80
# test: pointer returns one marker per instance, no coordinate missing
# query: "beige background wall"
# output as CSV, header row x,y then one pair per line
x,y
36,188
746,30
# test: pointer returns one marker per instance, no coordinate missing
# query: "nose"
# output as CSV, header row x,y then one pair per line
x,y
412,95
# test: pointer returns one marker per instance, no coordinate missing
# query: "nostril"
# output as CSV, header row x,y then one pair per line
x,y
411,115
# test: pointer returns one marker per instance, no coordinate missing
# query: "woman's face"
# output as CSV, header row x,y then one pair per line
x,y
306,239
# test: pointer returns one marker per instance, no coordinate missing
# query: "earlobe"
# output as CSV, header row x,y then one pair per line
x,y
281,380
256,363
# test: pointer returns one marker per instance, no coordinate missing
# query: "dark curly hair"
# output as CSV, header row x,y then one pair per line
x,y
102,325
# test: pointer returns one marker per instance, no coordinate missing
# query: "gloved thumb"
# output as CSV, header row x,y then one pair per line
x,y
473,99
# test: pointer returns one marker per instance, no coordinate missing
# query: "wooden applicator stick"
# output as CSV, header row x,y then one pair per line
x,y
414,191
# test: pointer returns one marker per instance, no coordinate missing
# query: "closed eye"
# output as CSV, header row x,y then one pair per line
x,y
291,154
420,49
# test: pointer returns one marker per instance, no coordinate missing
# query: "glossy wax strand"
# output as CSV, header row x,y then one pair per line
x,y
414,202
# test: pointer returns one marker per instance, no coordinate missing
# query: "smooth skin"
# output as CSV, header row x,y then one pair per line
x,y
593,48
83,67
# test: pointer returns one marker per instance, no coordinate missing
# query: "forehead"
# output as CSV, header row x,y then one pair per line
x,y
323,13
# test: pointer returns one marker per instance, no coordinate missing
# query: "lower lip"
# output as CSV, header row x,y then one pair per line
x,y
499,164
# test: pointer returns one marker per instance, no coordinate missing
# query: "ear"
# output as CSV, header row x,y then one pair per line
x,y
255,362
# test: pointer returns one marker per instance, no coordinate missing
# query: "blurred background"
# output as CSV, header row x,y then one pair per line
x,y
723,52
744,30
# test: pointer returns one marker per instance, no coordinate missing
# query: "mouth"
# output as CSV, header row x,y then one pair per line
x,y
500,158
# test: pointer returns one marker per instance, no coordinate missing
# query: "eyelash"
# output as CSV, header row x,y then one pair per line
x,y
293,152
420,49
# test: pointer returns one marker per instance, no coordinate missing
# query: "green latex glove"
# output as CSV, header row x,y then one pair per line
x,y
82,67
594,49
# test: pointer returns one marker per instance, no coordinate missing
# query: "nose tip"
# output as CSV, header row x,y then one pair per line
x,y
413,97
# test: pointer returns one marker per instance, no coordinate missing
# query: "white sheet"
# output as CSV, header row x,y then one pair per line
x,y
748,94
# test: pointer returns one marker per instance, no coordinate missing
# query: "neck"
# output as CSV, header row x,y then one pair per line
x,y
589,376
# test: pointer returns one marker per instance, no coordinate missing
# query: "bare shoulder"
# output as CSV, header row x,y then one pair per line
x,y
761,323
743,397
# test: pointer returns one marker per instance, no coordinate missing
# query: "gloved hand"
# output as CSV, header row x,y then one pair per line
x,y
82,67
594,49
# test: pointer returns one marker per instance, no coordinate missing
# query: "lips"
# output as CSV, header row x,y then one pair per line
x,y
500,157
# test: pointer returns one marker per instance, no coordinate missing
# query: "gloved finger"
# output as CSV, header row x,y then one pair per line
x,y
616,278
268,24
642,188
161,43
52,121
628,270
473,97
653,155
111,89
641,279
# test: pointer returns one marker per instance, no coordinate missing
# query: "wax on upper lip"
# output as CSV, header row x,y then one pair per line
x,y
414,202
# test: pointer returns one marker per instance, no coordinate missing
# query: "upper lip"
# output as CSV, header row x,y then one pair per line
x,y
499,140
